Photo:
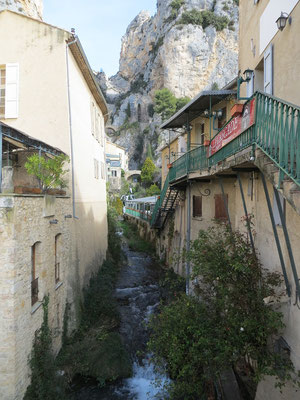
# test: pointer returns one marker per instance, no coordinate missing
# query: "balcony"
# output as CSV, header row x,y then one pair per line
x,y
267,123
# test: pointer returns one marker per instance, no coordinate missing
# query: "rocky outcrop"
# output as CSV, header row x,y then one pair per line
x,y
32,8
166,51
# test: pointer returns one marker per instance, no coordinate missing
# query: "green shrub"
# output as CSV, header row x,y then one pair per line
x,y
198,339
153,190
45,382
50,172
204,19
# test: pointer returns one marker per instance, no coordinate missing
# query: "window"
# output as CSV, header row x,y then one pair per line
x,y
199,128
220,209
96,169
9,90
197,206
114,173
57,251
268,70
139,113
35,250
276,214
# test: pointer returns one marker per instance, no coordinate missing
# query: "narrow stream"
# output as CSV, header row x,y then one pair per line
x,y
138,295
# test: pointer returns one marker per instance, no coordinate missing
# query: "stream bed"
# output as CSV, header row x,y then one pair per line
x,y
138,296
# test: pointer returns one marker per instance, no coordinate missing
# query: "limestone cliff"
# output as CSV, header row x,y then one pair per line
x,y
175,50
32,8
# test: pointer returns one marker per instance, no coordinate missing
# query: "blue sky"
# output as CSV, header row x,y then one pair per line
x,y
100,24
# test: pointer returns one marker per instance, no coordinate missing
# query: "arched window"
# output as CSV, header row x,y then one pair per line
x,y
35,260
139,113
57,253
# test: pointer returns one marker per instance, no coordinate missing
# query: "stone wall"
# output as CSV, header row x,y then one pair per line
x,y
24,221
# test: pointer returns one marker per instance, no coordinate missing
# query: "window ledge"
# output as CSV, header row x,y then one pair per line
x,y
36,306
58,285
198,218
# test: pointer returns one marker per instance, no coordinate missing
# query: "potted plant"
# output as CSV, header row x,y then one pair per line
x,y
50,173
170,165
206,143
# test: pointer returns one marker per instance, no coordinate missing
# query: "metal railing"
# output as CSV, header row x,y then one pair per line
x,y
278,134
276,131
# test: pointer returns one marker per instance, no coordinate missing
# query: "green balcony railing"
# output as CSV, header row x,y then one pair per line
x,y
276,131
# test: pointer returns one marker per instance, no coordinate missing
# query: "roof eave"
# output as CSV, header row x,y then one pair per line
x,y
82,61
186,108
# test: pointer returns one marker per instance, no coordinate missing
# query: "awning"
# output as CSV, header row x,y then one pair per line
x,y
17,137
196,107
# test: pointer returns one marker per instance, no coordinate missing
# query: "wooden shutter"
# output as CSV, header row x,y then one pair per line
x,y
12,91
197,206
220,209
268,70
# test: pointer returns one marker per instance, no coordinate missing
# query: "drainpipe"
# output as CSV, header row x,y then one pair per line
x,y
188,230
71,128
0,158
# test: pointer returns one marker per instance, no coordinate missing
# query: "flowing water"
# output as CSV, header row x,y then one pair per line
x,y
138,296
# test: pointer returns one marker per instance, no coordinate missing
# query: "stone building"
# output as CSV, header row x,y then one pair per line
x,y
239,156
116,162
49,91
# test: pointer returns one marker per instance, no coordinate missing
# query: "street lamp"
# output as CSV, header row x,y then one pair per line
x,y
248,73
281,21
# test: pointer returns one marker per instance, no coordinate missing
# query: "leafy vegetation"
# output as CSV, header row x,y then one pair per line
x,y
156,45
200,339
135,242
45,383
166,104
204,18
138,84
175,7
96,350
147,172
50,172
153,190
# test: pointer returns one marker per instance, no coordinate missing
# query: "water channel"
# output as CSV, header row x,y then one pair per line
x,y
138,295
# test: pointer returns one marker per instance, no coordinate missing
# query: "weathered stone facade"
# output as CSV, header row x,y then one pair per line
x,y
24,221
32,8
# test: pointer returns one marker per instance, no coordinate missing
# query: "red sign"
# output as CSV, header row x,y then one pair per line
x,y
234,128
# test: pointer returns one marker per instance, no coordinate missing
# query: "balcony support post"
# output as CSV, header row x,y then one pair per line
x,y
287,284
246,213
288,244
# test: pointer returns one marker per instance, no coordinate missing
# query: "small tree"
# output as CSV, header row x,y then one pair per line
x,y
147,173
165,103
50,172
181,102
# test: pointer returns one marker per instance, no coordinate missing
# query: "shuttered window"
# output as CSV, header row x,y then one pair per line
x,y
220,209
12,91
268,70
197,206
9,91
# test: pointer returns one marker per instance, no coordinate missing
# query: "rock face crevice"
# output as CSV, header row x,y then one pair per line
x,y
32,8
158,52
